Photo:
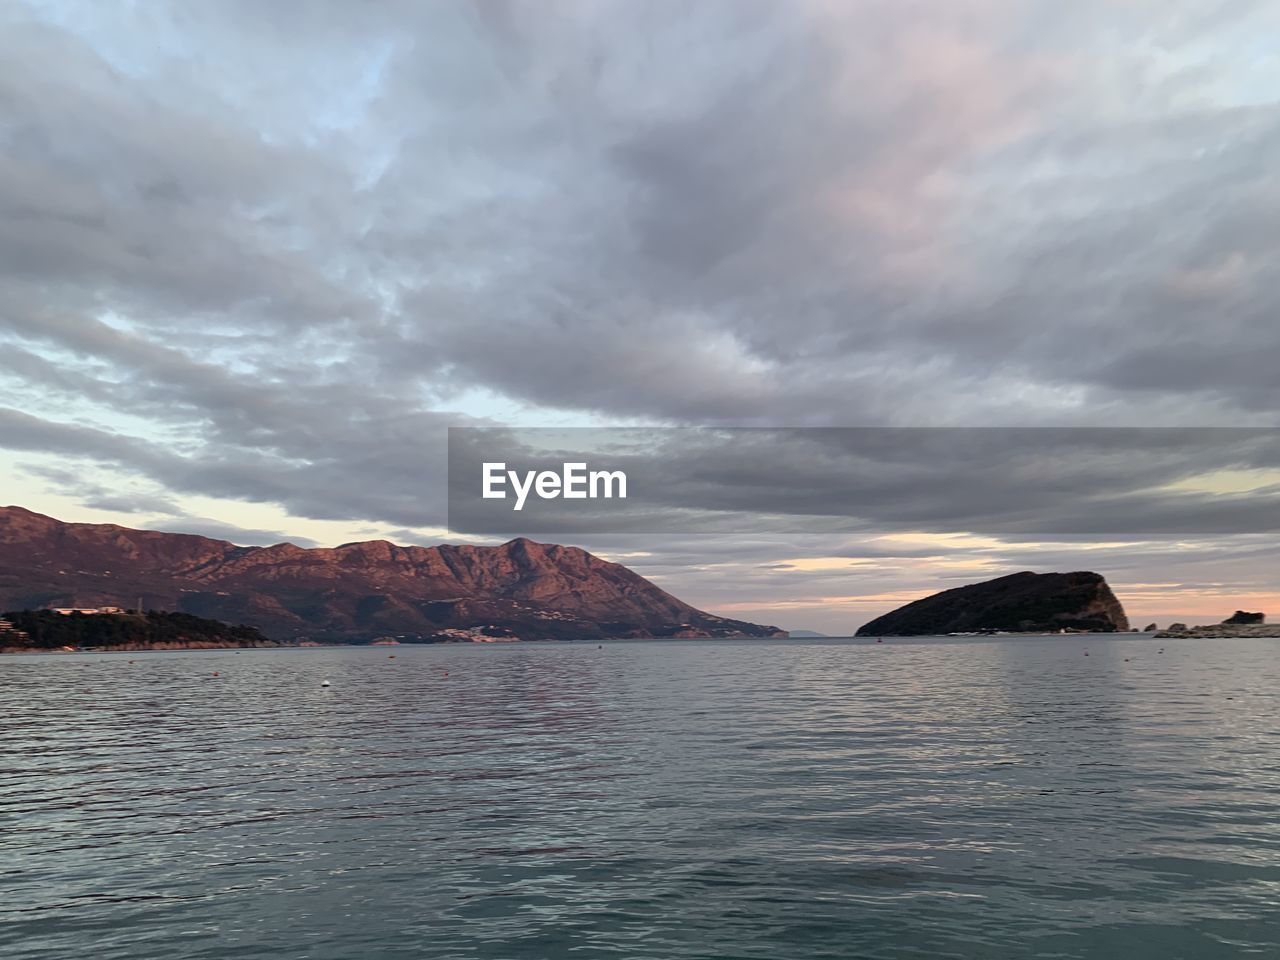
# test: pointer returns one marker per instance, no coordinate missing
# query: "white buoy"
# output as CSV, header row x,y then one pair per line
x,y
324,683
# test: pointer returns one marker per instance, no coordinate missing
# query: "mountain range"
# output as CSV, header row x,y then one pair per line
x,y
354,592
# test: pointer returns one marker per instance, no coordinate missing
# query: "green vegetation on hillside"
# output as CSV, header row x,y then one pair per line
x,y
47,629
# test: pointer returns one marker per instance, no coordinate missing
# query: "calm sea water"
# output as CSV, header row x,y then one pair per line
x,y
794,800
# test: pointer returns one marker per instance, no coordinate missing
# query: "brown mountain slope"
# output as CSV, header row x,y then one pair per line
x,y
1024,602
353,592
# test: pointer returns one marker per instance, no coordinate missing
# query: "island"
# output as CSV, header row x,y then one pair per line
x,y
1026,602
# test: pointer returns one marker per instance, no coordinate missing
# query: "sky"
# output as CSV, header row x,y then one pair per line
x,y
257,258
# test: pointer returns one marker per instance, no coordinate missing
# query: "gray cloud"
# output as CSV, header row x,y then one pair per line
x,y
244,536
808,214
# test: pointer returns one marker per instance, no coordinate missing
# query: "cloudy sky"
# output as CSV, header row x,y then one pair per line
x,y
257,257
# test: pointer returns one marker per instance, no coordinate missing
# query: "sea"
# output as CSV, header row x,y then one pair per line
x,y
1037,797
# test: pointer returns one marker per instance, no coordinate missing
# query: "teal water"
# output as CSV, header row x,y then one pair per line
x,y
932,798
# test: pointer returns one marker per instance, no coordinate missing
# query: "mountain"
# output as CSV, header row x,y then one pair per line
x,y
1024,602
355,592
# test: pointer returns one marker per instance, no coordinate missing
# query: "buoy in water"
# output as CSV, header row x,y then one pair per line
x,y
324,683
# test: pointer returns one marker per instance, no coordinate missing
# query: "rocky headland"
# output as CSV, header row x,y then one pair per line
x,y
1078,602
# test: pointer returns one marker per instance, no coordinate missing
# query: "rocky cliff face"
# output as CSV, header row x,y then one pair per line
x,y
1021,602
357,591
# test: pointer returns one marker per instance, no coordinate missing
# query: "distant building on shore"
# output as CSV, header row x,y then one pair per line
x,y
66,611
9,632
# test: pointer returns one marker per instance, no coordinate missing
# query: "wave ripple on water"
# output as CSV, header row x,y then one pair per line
x,y
752,799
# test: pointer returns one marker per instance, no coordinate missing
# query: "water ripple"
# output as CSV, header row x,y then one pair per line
x,y
645,800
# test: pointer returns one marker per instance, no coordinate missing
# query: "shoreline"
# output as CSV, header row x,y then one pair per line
x,y
168,645
1214,632
1223,631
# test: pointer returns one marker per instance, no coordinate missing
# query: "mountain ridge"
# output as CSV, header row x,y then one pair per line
x,y
356,591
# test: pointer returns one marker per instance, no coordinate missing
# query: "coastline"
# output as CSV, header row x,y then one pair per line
x,y
144,647
1222,631
1195,633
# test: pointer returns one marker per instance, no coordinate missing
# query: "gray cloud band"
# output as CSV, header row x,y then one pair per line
x,y
1011,482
